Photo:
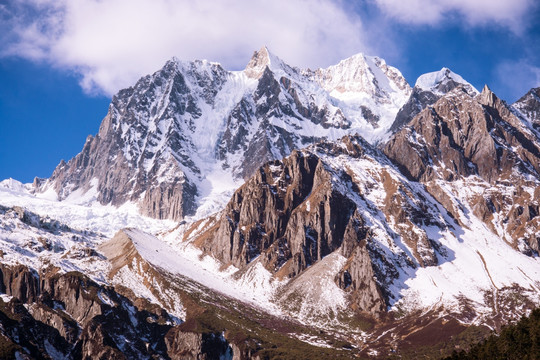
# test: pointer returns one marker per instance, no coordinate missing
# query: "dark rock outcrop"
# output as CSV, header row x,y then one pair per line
x,y
69,314
19,282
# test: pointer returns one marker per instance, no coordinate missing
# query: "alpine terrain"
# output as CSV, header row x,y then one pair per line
x,y
278,212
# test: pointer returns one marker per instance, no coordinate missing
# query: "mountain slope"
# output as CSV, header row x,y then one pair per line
x,y
398,241
71,294
332,237
475,148
516,341
341,213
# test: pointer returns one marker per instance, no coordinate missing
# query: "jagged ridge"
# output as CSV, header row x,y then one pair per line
x,y
165,140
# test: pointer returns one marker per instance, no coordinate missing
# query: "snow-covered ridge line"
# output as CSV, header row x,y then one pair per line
x,y
199,130
432,80
166,140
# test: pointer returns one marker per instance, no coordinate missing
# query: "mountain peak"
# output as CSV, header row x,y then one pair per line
x,y
259,61
364,74
359,57
487,97
173,64
534,92
442,81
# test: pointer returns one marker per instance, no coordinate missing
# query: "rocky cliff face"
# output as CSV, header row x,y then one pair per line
x,y
294,213
69,316
266,211
465,138
428,89
142,153
529,107
462,135
163,138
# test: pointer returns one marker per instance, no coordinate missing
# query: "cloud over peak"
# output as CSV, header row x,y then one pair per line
x,y
112,43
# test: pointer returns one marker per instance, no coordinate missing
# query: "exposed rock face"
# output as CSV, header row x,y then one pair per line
x,y
196,346
529,106
357,277
162,137
428,89
72,316
19,282
265,211
419,100
294,213
461,137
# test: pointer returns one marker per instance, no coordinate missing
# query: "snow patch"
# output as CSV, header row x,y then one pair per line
x,y
255,286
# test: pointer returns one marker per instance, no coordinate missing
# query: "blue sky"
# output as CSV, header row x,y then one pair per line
x,y
62,60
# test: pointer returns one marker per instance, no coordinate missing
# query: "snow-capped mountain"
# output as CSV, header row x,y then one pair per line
x,y
428,89
192,130
368,89
446,181
442,81
337,213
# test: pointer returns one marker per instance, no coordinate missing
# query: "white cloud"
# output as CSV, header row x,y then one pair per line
x,y
112,43
516,78
508,13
